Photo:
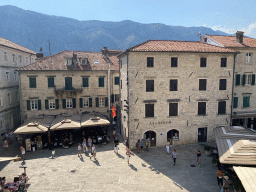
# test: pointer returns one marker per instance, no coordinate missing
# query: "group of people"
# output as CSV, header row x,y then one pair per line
x,y
141,144
87,146
8,140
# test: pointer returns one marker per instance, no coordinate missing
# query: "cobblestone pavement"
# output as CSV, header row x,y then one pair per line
x,y
148,171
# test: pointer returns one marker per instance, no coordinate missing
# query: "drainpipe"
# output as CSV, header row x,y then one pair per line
x,y
109,108
231,106
127,84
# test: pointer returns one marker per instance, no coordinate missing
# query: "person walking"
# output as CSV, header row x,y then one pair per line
x,y
116,143
79,148
99,137
89,143
128,155
22,150
138,146
93,154
174,156
84,145
167,146
114,133
220,175
5,144
198,158
142,145
126,142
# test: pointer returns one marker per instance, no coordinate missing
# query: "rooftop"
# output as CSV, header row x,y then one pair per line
x,y
7,43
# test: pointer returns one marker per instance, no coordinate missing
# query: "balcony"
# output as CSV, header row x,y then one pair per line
x,y
67,91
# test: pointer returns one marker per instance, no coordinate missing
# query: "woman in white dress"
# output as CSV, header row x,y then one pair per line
x,y
168,147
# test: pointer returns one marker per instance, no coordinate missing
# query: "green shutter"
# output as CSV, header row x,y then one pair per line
x,y
106,101
81,102
74,102
85,82
101,81
97,101
57,103
28,105
235,104
32,82
246,101
238,79
116,80
112,98
64,103
90,102
46,104
39,105
50,81
253,79
243,80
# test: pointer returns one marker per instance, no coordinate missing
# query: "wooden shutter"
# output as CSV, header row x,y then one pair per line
x,y
97,101
64,103
202,84
237,79
253,79
90,102
85,82
246,101
222,107
106,101
46,104
173,109
243,80
57,103
39,105
235,102
112,98
81,102
149,110
32,82
116,80
50,81
74,102
201,108
28,105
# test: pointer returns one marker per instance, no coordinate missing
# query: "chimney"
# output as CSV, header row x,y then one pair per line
x,y
74,60
239,37
39,55
105,51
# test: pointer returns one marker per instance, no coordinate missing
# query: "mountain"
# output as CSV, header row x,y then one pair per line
x,y
34,30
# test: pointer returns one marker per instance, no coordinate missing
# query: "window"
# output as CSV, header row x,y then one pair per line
x,y
69,103
26,60
174,62
248,79
68,83
238,79
222,108
5,56
116,80
13,58
173,109
9,98
203,62
34,104
149,110
149,85
51,103
235,102
15,76
150,61
248,57
202,84
246,101
173,85
223,84
69,62
84,61
201,108
85,102
50,81
101,81
20,59
32,82
117,97
223,62
85,82
102,101
7,75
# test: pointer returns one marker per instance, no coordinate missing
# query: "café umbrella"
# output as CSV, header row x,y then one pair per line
x,y
94,121
66,124
32,127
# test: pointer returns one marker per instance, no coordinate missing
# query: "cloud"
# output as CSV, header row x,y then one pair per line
x,y
249,31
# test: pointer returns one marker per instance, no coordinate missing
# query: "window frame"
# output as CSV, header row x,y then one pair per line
x,y
86,102
248,101
52,104
49,82
174,113
69,103
249,57
203,62
150,62
202,87
30,81
220,110
5,57
84,81
173,88
221,84
101,101
149,114
223,62
101,80
149,85
34,104
116,80
7,75
9,97
201,107
174,61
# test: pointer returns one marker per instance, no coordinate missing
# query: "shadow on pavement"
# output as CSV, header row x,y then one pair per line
x,y
96,162
133,168
120,156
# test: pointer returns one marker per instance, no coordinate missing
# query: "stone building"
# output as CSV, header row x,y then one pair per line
x,y
244,93
12,56
175,90
70,82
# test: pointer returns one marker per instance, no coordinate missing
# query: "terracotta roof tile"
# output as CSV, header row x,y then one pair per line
x,y
59,62
179,46
230,41
10,44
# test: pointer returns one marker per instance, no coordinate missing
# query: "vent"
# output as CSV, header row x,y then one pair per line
x,y
96,62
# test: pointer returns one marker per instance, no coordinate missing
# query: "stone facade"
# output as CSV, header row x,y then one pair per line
x,y
184,128
12,56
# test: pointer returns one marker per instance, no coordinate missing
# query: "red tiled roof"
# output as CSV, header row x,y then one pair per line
x,y
179,46
10,44
59,62
230,41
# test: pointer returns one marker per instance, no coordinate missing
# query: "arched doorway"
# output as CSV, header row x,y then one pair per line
x,y
151,135
172,134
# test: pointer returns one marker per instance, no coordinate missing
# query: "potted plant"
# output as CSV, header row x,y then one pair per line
x,y
207,149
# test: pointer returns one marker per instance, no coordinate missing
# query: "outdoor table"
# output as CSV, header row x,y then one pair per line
x,y
13,186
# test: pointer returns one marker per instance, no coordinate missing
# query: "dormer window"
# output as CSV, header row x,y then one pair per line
x,y
84,61
69,62
205,39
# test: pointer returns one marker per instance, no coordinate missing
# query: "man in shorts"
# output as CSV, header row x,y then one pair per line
x,y
174,156
198,156
116,143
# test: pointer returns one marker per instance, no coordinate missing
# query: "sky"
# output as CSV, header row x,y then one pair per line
x,y
225,15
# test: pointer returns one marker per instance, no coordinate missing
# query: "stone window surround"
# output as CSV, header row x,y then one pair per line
x,y
34,104
86,102
52,104
101,101
249,57
69,103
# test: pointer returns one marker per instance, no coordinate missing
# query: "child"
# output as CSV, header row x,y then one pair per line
x,y
128,155
79,150
93,152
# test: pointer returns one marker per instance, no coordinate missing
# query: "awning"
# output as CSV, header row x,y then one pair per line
x,y
247,176
32,127
66,124
9,158
45,120
93,119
